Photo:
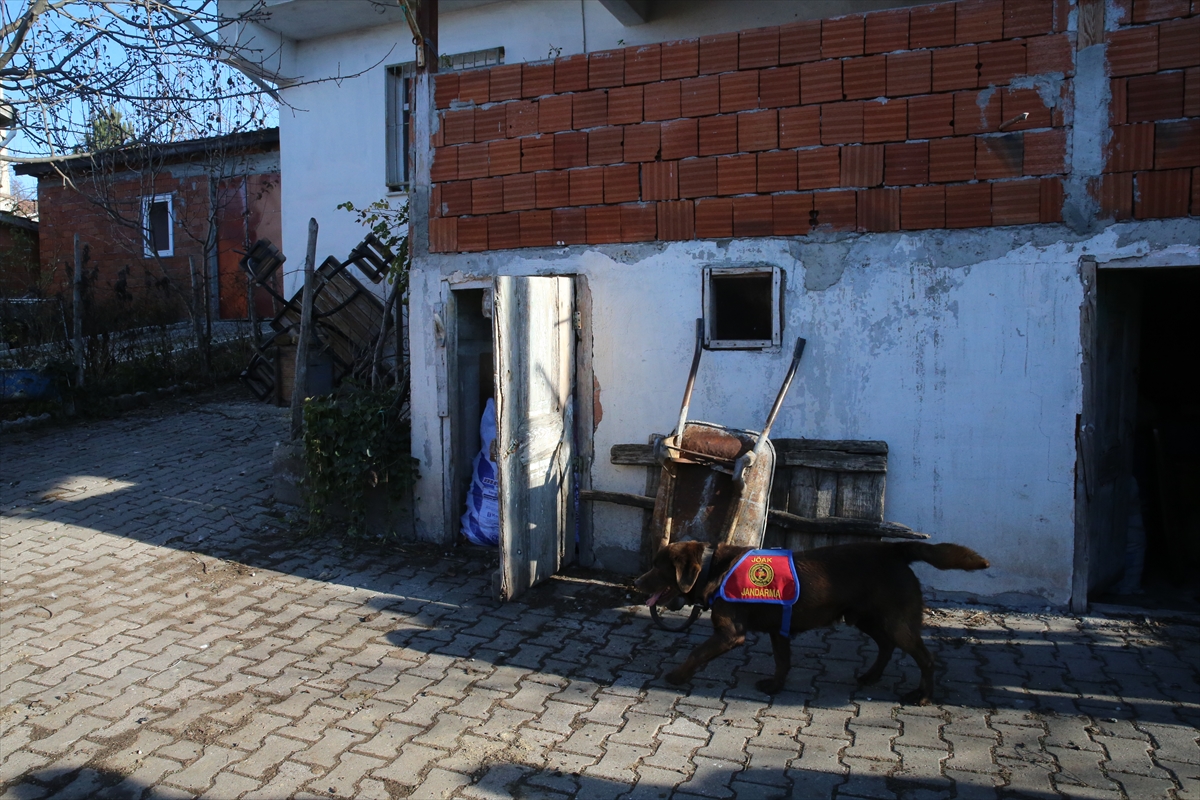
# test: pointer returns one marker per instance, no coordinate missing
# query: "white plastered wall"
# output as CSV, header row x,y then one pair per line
x,y
960,349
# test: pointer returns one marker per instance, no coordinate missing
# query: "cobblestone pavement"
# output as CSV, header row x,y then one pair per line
x,y
164,636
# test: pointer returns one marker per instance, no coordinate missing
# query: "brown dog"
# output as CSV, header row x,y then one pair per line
x,y
869,585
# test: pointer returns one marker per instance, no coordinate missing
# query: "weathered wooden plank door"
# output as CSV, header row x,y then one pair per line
x,y
534,337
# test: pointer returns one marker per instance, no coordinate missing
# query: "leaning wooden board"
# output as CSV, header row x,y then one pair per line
x,y
825,492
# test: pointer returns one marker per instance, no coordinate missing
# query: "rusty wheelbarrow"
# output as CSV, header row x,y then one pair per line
x,y
715,482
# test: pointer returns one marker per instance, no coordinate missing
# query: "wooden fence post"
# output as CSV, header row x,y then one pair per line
x,y
300,382
77,312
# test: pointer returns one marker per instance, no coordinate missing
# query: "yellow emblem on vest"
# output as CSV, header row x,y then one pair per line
x,y
761,575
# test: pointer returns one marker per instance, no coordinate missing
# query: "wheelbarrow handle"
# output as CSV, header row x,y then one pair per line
x,y
783,390
691,381
747,460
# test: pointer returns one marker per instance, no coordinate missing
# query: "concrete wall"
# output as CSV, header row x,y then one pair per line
x,y
960,349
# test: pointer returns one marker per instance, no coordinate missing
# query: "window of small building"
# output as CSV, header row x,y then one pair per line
x,y
399,109
742,307
158,223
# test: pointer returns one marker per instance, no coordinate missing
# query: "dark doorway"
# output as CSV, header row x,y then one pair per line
x,y
1148,432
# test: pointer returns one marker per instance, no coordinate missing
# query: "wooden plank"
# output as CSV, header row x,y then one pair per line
x,y
860,495
827,486
633,455
834,460
640,455
863,446
802,494
824,527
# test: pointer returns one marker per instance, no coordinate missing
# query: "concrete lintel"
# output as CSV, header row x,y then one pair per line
x,y
628,12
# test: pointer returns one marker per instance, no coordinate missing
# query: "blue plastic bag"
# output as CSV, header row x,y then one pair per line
x,y
481,522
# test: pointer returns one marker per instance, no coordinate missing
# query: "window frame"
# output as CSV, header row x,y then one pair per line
x,y
148,202
398,81
708,298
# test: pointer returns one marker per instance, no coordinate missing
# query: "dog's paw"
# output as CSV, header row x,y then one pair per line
x,y
677,677
868,678
914,698
769,685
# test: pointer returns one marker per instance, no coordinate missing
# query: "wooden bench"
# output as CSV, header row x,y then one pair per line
x,y
824,492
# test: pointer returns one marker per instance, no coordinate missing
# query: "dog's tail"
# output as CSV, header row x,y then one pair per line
x,y
942,556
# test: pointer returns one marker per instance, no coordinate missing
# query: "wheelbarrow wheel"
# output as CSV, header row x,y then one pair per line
x,y
673,621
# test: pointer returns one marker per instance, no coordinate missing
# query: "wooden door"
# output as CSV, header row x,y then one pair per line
x,y
532,322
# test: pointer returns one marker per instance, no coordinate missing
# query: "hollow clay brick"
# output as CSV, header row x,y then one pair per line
x,y
879,210
487,196
698,177
931,25
1131,148
779,87
758,130
718,135
1153,97
978,21
571,73
792,213
587,186
969,205
554,113
445,89
570,149
603,225
862,166
472,234
718,53
864,77
660,180
800,42
537,80
622,184
642,142
909,73
842,123
625,105
886,31
837,210
777,171
955,68
842,36
536,229
680,139
1001,62
739,91
490,123
553,189
643,64
606,68
753,216
1016,202
605,146
922,207
931,116
639,222
474,86
569,225
952,160
906,164
758,48
680,59
714,218
661,100
519,192
1133,51
818,168
676,221
589,109
520,119
700,97
737,174
821,82
999,156
800,126
1025,18
537,153
504,157
504,83
885,122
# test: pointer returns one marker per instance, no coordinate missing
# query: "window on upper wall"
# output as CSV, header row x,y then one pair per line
x,y
743,307
399,109
158,225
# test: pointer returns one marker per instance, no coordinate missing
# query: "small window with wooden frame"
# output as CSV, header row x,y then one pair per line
x,y
743,307
158,225
399,80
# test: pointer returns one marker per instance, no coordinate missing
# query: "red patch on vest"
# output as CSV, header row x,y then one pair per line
x,y
762,576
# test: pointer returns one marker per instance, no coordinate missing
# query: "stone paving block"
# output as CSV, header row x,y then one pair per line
x,y
1129,755
286,781
273,751
441,783
199,775
1146,786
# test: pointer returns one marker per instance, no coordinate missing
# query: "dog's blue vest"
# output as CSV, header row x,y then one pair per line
x,y
764,576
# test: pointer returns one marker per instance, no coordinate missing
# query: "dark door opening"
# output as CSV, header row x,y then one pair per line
x,y
1147,551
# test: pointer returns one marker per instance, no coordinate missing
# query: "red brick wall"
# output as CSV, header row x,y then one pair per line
x,y
19,270
776,130
113,246
1152,164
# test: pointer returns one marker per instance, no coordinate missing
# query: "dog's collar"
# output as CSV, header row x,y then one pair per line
x,y
705,566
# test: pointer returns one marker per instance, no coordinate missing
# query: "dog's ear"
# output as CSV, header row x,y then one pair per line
x,y
687,568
